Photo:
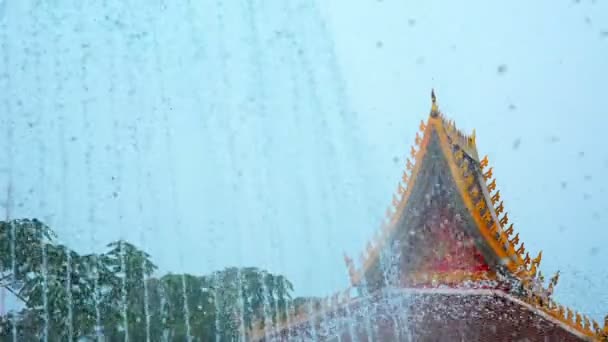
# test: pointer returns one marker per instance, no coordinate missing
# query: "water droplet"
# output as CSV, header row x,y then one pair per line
x,y
516,143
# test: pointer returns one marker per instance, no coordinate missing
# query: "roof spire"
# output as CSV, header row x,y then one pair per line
x,y
434,108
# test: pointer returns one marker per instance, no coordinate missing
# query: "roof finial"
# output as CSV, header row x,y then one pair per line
x,y
434,108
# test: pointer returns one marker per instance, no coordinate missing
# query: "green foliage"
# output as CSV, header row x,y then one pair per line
x,y
118,287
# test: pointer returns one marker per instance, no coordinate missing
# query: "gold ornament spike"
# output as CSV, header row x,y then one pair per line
x,y
570,316
408,165
509,230
521,249
586,324
488,174
492,186
538,258
555,279
413,152
578,320
532,271
473,137
496,197
395,202
434,107
500,209
417,140
596,326
550,289
400,189
606,326
422,126
515,240
484,162
404,178
560,311
504,220
527,259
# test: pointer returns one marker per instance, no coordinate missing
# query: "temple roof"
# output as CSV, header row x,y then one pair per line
x,y
444,164
494,233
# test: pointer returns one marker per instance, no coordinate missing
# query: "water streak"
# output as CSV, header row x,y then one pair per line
x,y
166,106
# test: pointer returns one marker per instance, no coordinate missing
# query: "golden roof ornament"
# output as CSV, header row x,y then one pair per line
x,y
500,209
527,259
400,189
395,201
492,185
521,249
488,174
496,197
554,279
510,230
504,220
515,240
538,258
483,163
434,107
408,164
422,126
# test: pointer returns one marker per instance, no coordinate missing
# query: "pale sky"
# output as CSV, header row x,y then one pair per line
x,y
272,133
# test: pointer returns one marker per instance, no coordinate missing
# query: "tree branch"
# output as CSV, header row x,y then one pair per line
x,y
15,294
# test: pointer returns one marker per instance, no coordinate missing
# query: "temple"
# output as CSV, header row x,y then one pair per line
x,y
446,265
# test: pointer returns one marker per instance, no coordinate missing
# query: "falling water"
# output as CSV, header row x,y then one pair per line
x,y
163,311
386,259
90,183
143,226
165,108
305,83
42,154
113,89
223,95
9,134
59,109
365,303
216,283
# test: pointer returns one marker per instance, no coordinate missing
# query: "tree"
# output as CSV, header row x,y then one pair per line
x,y
64,293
